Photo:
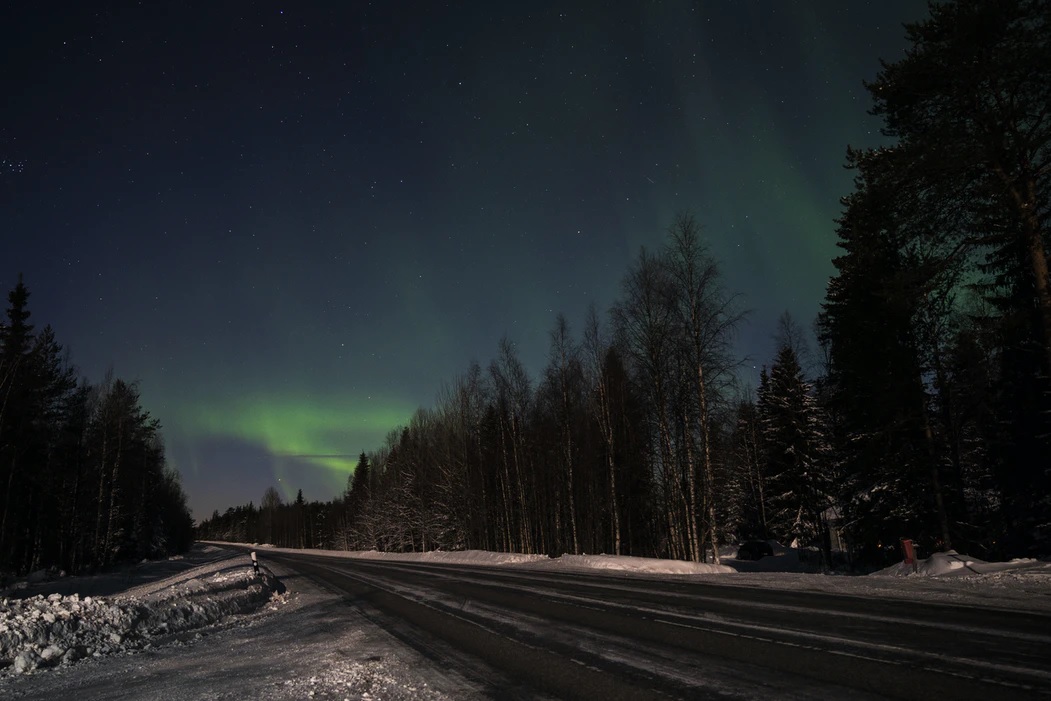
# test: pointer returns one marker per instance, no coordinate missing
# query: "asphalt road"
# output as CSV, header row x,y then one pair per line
x,y
608,637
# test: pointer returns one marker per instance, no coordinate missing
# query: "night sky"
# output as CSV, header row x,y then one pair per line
x,y
293,222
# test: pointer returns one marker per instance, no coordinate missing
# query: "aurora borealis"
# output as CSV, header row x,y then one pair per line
x,y
291,223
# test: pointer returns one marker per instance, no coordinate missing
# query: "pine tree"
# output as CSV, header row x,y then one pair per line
x,y
16,336
968,105
796,454
51,382
875,386
964,366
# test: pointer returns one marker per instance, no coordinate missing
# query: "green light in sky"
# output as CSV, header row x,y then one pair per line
x,y
321,432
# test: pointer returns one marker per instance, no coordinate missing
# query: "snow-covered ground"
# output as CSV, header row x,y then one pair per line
x,y
44,631
211,630
187,611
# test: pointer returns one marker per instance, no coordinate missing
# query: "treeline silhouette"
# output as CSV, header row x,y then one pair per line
x,y
83,480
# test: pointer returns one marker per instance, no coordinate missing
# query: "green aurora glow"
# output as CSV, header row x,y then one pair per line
x,y
299,432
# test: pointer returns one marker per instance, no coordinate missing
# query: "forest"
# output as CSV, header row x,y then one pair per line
x,y
83,479
922,411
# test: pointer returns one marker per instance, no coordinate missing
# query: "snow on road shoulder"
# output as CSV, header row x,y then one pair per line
x,y
640,565
48,630
608,563
952,563
1018,585
458,557
945,578
304,643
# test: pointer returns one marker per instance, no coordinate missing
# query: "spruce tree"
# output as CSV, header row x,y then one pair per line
x,y
796,454
875,384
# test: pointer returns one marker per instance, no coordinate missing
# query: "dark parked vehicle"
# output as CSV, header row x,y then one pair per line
x,y
754,550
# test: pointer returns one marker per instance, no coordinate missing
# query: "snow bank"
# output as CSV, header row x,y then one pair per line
x,y
1027,574
458,557
47,630
643,565
954,564
620,563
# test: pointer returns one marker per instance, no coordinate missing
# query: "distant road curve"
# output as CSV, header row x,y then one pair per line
x,y
611,637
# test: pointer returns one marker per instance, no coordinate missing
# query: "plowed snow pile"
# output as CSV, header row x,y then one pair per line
x,y
954,564
43,631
